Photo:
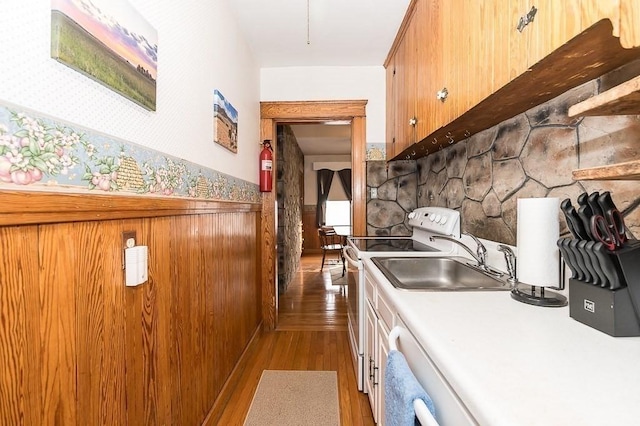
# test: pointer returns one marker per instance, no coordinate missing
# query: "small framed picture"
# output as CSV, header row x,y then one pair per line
x,y
225,122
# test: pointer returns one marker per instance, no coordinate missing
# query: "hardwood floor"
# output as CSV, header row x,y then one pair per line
x,y
314,300
311,335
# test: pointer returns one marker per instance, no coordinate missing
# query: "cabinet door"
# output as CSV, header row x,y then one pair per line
x,y
391,109
629,23
481,24
592,11
468,34
556,22
383,354
405,89
519,41
370,345
429,109
501,33
454,58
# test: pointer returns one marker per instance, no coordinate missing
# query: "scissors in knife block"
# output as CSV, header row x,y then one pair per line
x,y
609,229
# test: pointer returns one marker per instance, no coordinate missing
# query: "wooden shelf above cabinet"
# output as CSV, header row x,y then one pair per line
x,y
623,99
589,55
621,171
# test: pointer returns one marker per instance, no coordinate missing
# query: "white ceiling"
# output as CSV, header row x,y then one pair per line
x,y
323,139
340,33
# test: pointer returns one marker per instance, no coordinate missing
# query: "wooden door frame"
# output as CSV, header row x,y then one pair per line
x,y
272,113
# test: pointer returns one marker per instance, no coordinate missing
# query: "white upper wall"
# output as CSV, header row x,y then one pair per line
x,y
331,83
199,50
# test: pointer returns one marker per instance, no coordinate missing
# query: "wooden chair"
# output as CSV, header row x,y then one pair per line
x,y
330,242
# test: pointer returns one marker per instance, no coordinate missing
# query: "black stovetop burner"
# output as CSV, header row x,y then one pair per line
x,y
391,244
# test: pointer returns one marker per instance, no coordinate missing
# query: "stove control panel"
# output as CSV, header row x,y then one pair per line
x,y
438,220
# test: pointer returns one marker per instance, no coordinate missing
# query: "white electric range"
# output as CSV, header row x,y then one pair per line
x,y
425,222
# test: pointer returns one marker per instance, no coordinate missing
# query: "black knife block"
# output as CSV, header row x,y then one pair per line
x,y
609,311
615,312
629,261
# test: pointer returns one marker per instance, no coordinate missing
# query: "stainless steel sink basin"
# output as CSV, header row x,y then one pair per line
x,y
437,274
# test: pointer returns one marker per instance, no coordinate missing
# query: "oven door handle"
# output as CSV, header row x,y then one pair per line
x,y
422,412
353,261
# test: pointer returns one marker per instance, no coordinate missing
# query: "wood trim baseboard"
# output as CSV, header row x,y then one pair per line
x,y
27,207
233,380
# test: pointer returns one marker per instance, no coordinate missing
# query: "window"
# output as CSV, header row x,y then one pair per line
x,y
338,213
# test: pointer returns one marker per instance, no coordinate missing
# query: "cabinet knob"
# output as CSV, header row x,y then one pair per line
x,y
442,94
413,121
527,19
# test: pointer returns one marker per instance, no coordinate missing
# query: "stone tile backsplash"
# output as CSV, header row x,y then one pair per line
x,y
530,155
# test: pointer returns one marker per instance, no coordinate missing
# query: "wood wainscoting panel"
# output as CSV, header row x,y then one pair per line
x,y
60,269
20,359
148,324
79,347
310,238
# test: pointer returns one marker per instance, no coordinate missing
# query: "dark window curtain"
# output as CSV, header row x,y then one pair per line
x,y
345,179
325,177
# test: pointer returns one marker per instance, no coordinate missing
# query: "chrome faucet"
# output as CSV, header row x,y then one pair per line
x,y
510,259
481,250
479,256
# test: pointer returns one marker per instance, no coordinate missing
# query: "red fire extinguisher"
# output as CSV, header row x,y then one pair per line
x,y
266,165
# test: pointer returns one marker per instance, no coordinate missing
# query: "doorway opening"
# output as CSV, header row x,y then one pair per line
x,y
273,113
304,151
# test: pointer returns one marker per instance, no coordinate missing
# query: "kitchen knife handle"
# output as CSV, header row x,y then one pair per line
x,y
565,208
595,262
592,201
568,258
606,202
585,213
581,263
608,263
582,199
578,226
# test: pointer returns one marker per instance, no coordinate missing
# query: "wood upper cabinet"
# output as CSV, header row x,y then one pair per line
x,y
558,21
629,23
473,49
430,113
405,86
591,11
411,73
468,34
391,109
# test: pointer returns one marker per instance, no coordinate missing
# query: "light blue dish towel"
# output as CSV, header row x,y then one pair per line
x,y
401,388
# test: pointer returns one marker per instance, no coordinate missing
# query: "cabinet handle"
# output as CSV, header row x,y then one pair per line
x,y
371,367
413,121
442,94
527,19
375,376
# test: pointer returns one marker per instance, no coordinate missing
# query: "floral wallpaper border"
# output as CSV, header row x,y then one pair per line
x,y
376,151
46,154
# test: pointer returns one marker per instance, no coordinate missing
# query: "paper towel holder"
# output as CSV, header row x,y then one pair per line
x,y
539,263
538,296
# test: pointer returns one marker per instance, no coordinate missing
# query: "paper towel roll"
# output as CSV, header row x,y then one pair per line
x,y
538,232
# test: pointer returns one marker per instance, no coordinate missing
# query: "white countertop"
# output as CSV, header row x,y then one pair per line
x,y
517,364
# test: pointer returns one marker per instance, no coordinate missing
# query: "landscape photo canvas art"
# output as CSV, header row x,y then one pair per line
x,y
109,41
225,122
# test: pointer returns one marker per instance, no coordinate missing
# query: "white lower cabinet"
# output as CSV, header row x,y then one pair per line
x,y
383,354
381,315
377,325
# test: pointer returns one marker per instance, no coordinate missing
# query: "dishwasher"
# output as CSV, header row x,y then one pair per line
x,y
450,411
